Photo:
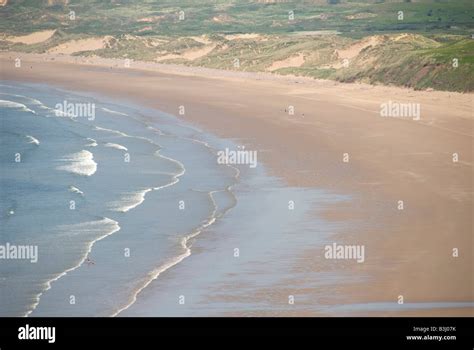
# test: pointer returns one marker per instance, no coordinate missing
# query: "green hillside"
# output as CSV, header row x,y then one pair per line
x,y
406,43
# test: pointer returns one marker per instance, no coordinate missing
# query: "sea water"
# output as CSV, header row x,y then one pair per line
x,y
118,204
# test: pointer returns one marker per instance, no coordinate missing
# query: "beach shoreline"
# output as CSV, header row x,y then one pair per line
x,y
409,251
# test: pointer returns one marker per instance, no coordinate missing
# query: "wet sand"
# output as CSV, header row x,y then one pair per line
x,y
408,252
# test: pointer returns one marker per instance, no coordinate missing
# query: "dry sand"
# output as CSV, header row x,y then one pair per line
x,y
408,252
189,55
293,61
33,38
243,36
73,46
355,49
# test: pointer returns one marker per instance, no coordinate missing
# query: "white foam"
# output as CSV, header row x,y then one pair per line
x,y
74,189
32,139
120,133
158,131
15,105
181,165
114,112
93,143
129,200
81,163
103,228
112,131
116,146
32,100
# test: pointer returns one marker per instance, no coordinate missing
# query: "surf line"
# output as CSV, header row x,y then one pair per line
x,y
184,244
174,261
115,227
142,193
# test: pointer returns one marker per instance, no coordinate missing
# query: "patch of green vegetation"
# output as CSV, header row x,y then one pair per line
x,y
101,17
124,47
462,50
308,72
420,65
438,32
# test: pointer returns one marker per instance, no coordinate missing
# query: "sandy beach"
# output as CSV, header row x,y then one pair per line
x,y
336,140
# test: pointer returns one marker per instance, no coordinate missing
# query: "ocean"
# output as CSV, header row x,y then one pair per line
x,y
132,214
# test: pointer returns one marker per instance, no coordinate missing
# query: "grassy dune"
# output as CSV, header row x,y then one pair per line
x,y
348,41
